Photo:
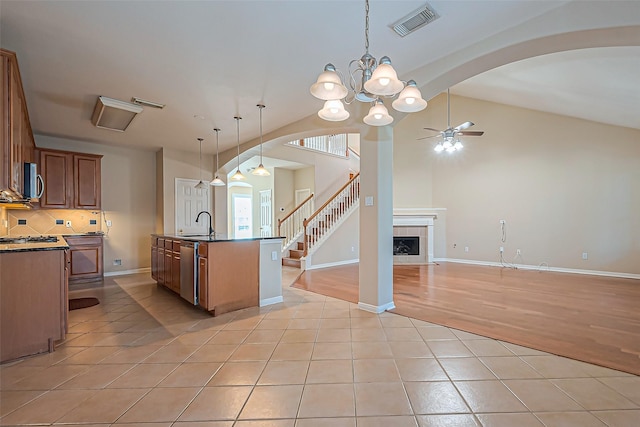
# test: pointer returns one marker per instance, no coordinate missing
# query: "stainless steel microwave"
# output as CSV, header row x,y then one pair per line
x,y
33,183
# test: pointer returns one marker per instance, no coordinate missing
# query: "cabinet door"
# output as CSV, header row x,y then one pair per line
x,y
175,271
86,262
160,278
154,262
203,281
168,264
4,124
86,175
16,127
55,168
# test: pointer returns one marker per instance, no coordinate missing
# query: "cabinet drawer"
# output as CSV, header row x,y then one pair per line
x,y
202,250
176,246
84,240
161,243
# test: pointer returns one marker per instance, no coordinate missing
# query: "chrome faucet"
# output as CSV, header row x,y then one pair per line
x,y
211,232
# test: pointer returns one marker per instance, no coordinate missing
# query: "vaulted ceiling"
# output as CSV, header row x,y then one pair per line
x,y
211,60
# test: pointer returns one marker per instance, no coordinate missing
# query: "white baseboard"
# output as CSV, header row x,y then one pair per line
x,y
125,272
376,308
269,301
333,264
544,268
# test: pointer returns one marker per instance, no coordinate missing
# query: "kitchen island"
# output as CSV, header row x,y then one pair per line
x,y
219,275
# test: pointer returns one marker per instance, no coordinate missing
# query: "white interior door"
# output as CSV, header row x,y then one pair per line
x,y
189,202
266,216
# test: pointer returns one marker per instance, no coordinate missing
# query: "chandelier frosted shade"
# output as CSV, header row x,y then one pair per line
x,y
333,111
384,80
329,85
410,99
378,115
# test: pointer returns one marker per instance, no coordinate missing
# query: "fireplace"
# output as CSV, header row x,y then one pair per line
x,y
406,245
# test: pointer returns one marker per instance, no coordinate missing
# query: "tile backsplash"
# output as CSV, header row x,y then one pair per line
x,y
4,222
52,221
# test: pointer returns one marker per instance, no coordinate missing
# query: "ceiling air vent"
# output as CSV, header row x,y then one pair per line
x,y
415,20
113,114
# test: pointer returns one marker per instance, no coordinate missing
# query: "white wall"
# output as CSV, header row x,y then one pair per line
x,y
342,246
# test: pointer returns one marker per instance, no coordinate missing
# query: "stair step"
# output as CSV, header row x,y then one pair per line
x,y
295,253
290,262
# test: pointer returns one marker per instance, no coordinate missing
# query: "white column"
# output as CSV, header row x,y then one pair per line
x,y
376,219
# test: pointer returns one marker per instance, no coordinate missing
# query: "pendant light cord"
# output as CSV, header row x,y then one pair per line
x,y
216,130
200,139
260,106
238,118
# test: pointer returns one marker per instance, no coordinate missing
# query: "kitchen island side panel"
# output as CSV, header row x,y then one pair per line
x,y
234,275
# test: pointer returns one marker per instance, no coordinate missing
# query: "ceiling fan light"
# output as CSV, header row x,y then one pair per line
x,y
447,143
451,149
329,85
333,111
384,80
217,182
458,145
261,171
410,99
438,148
238,176
378,115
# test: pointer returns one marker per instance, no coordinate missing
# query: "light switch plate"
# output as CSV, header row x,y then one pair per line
x,y
368,201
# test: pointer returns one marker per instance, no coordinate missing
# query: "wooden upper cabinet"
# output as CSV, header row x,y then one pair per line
x,y
86,185
71,180
55,169
17,144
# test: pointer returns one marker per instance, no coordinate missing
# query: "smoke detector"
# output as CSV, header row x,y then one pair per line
x,y
415,20
114,114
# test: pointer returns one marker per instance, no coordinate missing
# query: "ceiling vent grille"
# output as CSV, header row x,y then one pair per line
x,y
114,114
415,20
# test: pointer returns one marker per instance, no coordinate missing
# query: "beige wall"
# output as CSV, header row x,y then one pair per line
x,y
564,186
178,164
343,245
128,199
284,195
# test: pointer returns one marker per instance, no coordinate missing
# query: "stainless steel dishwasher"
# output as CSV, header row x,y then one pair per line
x,y
189,271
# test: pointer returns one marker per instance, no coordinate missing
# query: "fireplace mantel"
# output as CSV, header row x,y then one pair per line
x,y
417,218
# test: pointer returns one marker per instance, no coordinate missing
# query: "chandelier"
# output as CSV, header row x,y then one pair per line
x,y
369,81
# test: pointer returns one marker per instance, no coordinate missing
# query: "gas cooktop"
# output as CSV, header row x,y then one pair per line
x,y
28,239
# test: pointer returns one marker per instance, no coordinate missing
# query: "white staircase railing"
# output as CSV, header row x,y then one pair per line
x,y
291,226
335,144
320,222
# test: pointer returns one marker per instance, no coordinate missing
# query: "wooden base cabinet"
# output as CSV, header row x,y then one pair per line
x,y
32,314
165,262
86,260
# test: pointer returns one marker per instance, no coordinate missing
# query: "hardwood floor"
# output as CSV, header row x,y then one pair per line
x,y
590,318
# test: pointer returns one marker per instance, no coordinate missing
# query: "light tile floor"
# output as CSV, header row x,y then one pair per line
x,y
143,357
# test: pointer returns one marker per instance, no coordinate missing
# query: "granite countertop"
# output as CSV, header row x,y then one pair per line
x,y
207,238
34,246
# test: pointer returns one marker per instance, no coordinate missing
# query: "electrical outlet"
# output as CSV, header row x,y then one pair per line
x,y
518,252
353,248
68,224
454,246
501,249
117,262
585,255
274,256
466,248
109,223
503,222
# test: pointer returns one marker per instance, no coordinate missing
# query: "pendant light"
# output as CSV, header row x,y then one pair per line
x,y
238,175
201,185
378,115
260,170
217,182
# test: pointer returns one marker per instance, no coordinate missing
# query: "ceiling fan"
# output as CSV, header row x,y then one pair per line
x,y
452,133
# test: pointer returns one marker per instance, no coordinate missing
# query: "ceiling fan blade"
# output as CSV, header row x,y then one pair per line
x,y
435,130
471,133
426,137
463,126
